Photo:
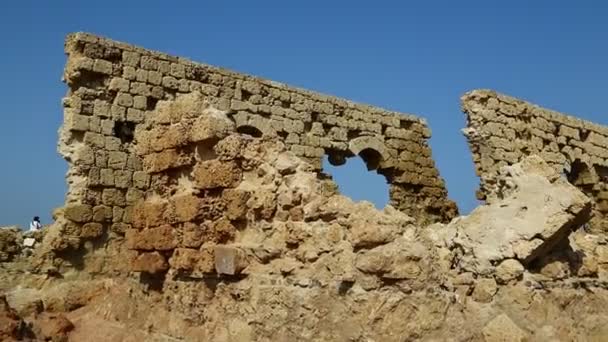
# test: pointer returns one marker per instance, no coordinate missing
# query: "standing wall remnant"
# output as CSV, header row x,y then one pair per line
x,y
115,87
501,130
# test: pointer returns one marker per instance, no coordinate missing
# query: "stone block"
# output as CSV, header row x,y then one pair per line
x,y
101,158
213,174
76,122
229,260
139,88
155,77
95,124
129,73
140,102
193,235
91,230
112,197
213,126
187,207
502,329
117,160
130,58
149,63
141,180
124,100
119,84
484,291
149,214
94,140
170,82
161,239
118,112
107,128
177,70
152,263
102,213
123,179
196,262
103,67
117,214
78,212
167,159
235,203
135,115
106,177
141,75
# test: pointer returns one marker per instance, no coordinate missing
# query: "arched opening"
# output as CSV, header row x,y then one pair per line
x,y
372,158
353,177
249,130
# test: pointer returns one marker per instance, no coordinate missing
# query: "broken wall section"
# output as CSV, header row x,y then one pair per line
x,y
501,130
114,88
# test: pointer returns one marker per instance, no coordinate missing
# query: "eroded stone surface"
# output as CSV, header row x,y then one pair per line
x,y
502,130
537,210
182,223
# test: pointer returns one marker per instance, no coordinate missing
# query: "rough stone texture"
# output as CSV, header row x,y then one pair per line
x,y
127,135
11,241
182,225
10,322
280,256
54,327
502,329
501,130
538,210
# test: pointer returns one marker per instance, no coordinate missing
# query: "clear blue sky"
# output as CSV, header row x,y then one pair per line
x,y
410,56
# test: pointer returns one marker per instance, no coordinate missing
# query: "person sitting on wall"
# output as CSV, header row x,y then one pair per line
x,y
35,224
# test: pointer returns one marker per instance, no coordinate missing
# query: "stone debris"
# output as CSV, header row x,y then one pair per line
x,y
502,329
537,210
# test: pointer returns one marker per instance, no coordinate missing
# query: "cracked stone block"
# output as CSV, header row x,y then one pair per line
x,y
539,210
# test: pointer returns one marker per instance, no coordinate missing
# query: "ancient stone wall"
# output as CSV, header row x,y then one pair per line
x,y
114,89
501,130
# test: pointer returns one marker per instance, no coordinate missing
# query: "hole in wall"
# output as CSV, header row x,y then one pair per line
x,y
124,130
93,80
353,176
249,130
151,103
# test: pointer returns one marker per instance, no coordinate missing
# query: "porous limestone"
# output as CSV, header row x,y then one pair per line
x,y
501,130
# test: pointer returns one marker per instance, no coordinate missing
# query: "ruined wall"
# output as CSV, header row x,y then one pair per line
x,y
501,130
114,88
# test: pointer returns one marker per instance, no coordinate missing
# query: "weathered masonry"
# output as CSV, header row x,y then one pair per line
x,y
114,88
501,130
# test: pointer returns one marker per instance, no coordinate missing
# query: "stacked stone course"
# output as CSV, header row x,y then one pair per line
x,y
114,88
501,130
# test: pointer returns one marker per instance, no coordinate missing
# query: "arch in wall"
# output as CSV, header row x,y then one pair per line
x,y
371,150
258,127
250,130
